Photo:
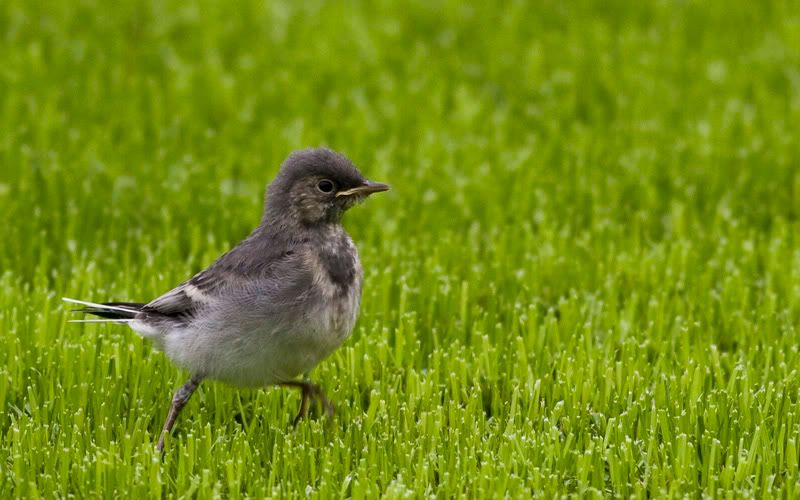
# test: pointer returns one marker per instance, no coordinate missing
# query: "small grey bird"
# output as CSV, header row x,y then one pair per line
x,y
275,305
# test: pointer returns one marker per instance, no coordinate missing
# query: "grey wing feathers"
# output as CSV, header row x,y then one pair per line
x,y
186,299
176,302
271,279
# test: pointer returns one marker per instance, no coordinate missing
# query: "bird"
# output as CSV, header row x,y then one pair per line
x,y
271,308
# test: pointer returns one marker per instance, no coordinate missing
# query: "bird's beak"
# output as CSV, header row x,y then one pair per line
x,y
367,188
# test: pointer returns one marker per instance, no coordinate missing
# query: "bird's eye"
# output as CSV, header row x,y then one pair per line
x,y
325,186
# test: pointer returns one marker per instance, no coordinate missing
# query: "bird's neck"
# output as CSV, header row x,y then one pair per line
x,y
287,227
329,243
283,212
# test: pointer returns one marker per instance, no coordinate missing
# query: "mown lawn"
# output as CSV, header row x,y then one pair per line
x,y
585,281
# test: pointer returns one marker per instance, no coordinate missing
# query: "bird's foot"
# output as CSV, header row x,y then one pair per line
x,y
310,393
179,400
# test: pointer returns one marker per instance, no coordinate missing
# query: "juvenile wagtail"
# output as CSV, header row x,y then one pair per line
x,y
278,303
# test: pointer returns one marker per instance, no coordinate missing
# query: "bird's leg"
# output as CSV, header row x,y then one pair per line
x,y
311,392
179,400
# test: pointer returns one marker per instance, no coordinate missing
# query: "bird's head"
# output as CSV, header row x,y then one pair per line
x,y
316,186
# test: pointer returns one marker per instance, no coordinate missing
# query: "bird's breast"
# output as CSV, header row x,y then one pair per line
x,y
337,288
333,261
336,316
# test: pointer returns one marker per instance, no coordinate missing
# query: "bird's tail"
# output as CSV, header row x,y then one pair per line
x,y
119,312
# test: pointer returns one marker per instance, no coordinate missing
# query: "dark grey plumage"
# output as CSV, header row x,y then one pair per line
x,y
279,302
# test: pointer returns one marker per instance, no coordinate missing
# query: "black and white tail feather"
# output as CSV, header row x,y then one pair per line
x,y
172,309
111,312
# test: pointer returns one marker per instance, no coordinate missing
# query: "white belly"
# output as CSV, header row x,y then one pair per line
x,y
247,337
264,354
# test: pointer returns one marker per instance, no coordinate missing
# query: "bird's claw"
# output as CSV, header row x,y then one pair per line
x,y
311,393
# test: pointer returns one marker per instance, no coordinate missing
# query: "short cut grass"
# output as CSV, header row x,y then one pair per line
x,y
585,281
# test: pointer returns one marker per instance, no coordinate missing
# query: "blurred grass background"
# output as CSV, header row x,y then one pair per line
x,y
586,280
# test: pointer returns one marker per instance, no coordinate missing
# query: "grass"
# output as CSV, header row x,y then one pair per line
x,y
586,280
